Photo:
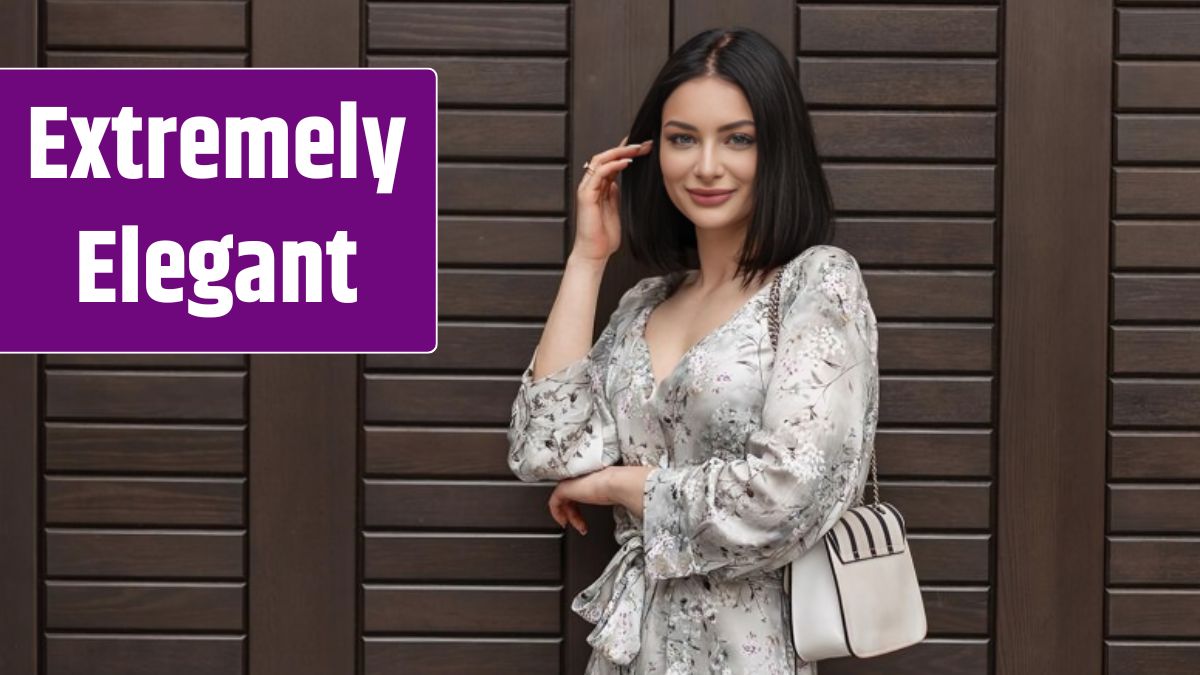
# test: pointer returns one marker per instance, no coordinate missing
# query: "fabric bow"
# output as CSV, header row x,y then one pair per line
x,y
615,603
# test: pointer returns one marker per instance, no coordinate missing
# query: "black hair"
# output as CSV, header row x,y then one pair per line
x,y
793,207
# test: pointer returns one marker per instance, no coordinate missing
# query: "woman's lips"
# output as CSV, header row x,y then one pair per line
x,y
710,199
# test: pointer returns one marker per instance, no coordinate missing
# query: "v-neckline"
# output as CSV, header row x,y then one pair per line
x,y
665,289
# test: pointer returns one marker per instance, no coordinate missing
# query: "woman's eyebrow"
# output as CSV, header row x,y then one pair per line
x,y
723,127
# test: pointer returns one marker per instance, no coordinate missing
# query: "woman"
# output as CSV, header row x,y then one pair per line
x,y
724,459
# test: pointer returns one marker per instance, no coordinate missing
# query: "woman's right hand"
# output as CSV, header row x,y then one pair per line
x,y
597,219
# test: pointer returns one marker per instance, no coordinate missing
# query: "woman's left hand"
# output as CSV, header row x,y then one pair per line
x,y
610,485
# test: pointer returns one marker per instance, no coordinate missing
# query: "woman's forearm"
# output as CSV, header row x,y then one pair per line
x,y
627,485
567,336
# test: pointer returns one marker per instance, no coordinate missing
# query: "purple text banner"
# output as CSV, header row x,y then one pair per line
x,y
219,210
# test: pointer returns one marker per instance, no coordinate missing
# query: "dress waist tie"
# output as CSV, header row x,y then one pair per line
x,y
615,602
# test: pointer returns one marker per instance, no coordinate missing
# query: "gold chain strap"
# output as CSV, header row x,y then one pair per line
x,y
773,328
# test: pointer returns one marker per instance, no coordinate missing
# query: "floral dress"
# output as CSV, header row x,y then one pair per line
x,y
758,452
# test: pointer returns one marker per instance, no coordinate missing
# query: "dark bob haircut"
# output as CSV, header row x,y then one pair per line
x,y
793,207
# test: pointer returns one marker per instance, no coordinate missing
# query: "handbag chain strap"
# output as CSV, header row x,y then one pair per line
x,y
773,328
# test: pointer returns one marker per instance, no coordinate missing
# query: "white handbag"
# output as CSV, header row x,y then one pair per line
x,y
856,592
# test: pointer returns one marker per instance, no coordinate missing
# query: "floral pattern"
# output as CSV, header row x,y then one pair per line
x,y
757,453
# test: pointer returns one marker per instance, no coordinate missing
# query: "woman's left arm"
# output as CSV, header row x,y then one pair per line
x,y
806,463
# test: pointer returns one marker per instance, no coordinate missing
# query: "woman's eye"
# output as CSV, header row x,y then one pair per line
x,y
679,139
741,139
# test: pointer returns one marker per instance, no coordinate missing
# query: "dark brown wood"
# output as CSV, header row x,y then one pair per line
x,y
1157,32
956,610
1159,658
773,18
1156,351
303,543
474,505
144,501
20,620
145,554
1052,407
1149,402
1158,137
474,557
138,448
925,188
491,656
437,451
86,59
862,30
951,558
528,240
18,37
463,609
161,24
144,654
851,134
439,399
1150,85
934,656
217,361
432,28
964,453
898,82
1147,613
1154,560
306,33
477,80
1137,455
158,606
940,347
1156,244
509,347
1154,508
501,188
1156,297
532,134
1158,191
957,242
137,395
928,400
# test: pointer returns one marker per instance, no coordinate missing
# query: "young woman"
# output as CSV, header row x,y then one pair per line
x,y
724,458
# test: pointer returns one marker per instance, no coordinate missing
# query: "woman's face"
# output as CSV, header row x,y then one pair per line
x,y
707,145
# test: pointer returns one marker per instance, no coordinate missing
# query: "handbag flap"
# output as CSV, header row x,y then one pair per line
x,y
868,531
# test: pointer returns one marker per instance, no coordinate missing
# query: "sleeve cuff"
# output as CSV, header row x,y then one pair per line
x,y
668,550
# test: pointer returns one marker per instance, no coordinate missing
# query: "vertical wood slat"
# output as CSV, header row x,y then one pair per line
x,y
19,620
305,33
302,493
18,34
1052,405
618,47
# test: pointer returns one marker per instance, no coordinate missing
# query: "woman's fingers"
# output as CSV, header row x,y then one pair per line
x,y
576,517
565,511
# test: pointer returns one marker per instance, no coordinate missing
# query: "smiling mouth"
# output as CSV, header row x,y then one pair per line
x,y
711,199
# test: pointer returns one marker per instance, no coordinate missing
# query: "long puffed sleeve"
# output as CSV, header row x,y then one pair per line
x,y
561,424
806,463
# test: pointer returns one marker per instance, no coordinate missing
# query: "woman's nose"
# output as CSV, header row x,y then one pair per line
x,y
709,164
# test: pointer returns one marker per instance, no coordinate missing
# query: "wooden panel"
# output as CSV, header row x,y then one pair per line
x,y
1157,138
479,453
144,501
509,348
144,655
148,360
962,453
303,514
20,560
1161,85
913,188
427,399
1140,455
932,656
459,557
464,240
1154,508
1158,658
853,134
19,49
470,80
1156,351
133,553
898,82
1156,32
929,505
951,558
1156,297
144,606
1158,191
529,134
150,395
930,295
133,448
474,609
948,347
84,59
1151,613
501,188
926,400
131,23
497,294
956,611
479,656
1155,402
927,241
474,505
306,33
773,19
1156,244
862,30
1154,560
428,27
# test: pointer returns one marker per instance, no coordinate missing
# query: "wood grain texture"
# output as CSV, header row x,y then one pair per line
x,y
1154,560
501,188
1158,138
130,554
140,59
461,609
1155,351
913,188
451,656
447,27
1158,32
130,395
876,134
460,505
1171,613
131,23
490,557
1162,85
160,606
135,448
863,30
74,500
1159,454
20,618
498,81
944,83
144,654
1154,508
527,134
437,451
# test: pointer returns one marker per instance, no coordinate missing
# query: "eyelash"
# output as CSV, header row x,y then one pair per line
x,y
674,138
